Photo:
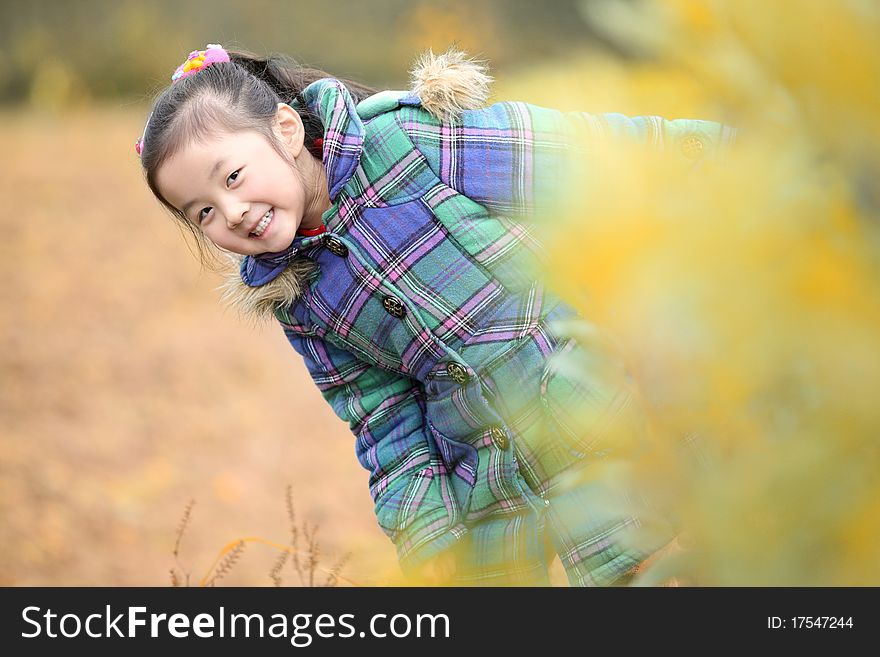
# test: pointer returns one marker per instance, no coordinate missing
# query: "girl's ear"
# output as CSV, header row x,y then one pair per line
x,y
289,129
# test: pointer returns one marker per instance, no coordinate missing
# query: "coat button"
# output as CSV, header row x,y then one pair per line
x,y
336,247
692,147
457,372
499,437
394,306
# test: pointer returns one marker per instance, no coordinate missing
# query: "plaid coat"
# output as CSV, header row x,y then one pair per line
x,y
416,314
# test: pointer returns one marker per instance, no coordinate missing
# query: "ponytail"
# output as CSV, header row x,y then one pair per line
x,y
287,79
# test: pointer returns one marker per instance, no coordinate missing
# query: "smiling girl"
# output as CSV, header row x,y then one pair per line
x,y
387,233
258,205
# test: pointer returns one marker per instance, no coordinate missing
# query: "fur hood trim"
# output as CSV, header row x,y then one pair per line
x,y
446,85
449,83
258,303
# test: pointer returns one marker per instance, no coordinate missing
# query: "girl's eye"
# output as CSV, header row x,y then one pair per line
x,y
202,214
232,176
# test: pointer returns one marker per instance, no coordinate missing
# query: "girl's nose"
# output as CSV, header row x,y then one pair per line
x,y
235,214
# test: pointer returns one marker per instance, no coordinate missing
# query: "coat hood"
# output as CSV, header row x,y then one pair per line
x,y
444,85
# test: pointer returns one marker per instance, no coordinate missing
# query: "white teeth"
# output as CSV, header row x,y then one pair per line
x,y
264,223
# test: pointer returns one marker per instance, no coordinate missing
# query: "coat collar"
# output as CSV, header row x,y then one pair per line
x,y
332,103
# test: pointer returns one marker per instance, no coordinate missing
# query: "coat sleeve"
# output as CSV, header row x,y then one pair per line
x,y
414,503
515,157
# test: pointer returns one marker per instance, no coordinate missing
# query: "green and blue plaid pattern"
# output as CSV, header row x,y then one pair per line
x,y
429,334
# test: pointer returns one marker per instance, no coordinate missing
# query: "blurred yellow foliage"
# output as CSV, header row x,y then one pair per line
x,y
744,292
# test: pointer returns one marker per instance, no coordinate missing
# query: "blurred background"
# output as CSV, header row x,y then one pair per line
x,y
746,300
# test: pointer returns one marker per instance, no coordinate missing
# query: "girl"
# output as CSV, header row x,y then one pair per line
x,y
387,233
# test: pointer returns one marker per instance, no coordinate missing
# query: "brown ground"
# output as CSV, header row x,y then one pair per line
x,y
127,389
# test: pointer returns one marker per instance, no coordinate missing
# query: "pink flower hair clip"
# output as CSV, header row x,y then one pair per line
x,y
199,59
195,62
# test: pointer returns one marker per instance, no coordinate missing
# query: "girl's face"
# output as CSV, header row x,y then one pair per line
x,y
240,192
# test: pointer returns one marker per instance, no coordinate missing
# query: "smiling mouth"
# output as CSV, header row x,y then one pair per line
x,y
264,223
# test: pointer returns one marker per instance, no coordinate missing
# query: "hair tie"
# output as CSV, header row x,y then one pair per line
x,y
195,62
139,144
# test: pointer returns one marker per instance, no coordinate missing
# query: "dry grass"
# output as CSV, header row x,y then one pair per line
x,y
308,568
